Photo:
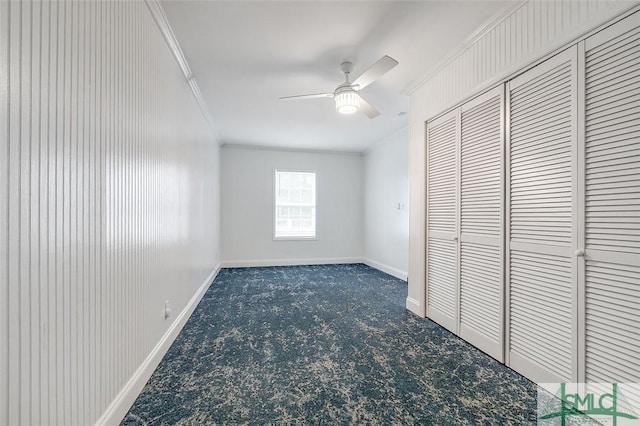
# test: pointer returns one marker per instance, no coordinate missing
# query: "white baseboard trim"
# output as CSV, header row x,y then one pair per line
x,y
316,261
414,306
121,404
386,269
289,262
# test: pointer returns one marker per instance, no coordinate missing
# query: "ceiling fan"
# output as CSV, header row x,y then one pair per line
x,y
347,95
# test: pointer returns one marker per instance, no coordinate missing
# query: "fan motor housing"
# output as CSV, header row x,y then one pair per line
x,y
344,88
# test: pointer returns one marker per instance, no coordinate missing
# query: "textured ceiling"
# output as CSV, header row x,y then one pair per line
x,y
246,54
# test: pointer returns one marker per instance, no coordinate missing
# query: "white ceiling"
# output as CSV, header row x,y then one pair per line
x,y
246,54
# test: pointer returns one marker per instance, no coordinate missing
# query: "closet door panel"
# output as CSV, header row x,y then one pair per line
x,y
612,203
481,223
541,283
442,207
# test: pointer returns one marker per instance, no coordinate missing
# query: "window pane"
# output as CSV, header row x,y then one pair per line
x,y
283,195
295,196
307,196
295,204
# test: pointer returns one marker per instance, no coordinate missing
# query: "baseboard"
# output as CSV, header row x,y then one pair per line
x,y
414,306
315,261
386,269
289,262
119,407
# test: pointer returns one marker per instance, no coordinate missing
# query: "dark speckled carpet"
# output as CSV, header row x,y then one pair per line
x,y
324,345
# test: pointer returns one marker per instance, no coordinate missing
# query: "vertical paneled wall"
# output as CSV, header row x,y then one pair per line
x,y
528,32
524,35
108,175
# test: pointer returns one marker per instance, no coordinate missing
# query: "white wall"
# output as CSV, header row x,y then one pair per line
x,y
108,188
386,227
247,199
522,35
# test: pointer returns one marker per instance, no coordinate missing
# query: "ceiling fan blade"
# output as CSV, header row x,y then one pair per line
x,y
375,71
316,95
367,109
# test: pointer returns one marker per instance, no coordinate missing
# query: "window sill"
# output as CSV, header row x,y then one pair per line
x,y
294,238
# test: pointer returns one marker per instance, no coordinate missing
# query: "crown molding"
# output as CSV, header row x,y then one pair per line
x,y
167,32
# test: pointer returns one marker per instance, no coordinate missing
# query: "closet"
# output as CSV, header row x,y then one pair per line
x,y
533,214
464,208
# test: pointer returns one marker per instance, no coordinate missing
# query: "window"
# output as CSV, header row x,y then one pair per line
x,y
295,199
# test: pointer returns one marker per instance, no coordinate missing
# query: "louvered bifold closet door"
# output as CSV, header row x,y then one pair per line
x,y
541,224
481,223
442,195
612,203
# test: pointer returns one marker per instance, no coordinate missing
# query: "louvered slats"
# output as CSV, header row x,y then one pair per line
x,y
541,276
612,207
442,274
442,176
613,322
441,258
612,132
481,289
540,311
481,260
481,170
541,136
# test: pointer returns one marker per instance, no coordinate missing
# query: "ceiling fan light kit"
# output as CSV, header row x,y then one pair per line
x,y
347,95
347,100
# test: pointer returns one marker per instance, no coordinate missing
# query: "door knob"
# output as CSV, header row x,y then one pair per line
x,y
580,253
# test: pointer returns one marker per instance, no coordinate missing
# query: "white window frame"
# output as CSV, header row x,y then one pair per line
x,y
275,207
